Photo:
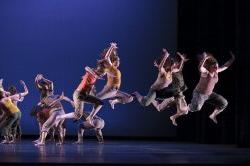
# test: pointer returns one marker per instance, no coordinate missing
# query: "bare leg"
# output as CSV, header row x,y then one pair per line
x,y
64,116
89,119
43,137
164,104
80,136
121,97
99,135
182,109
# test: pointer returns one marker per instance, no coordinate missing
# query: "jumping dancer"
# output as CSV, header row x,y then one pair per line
x,y
209,70
84,94
176,89
164,79
110,63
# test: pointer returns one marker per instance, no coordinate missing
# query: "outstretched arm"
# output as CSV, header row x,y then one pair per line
x,y
37,79
50,83
2,88
19,96
112,47
62,97
180,66
202,69
227,64
166,55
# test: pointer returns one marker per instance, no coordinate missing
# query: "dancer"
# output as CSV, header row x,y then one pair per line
x,y
176,89
97,125
110,63
164,79
84,94
14,112
209,70
16,131
53,104
46,88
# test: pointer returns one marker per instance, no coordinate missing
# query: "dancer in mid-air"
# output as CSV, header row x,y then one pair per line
x,y
176,89
165,70
204,90
110,62
84,94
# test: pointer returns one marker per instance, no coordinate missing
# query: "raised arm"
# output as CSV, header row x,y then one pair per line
x,y
166,55
180,66
50,83
227,64
112,47
2,88
1,84
19,96
202,69
62,97
38,77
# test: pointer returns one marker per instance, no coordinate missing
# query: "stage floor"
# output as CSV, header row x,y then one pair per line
x,y
123,153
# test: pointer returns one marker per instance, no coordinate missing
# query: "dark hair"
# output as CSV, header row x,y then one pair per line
x,y
12,89
113,54
168,63
211,61
1,94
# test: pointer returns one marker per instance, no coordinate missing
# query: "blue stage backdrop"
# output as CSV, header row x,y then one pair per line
x,y
58,38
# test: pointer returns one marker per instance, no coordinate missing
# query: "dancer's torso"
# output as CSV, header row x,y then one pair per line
x,y
207,83
114,78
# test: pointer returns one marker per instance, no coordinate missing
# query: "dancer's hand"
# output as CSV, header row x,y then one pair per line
x,y
39,77
62,96
22,82
155,64
183,57
232,55
164,50
113,45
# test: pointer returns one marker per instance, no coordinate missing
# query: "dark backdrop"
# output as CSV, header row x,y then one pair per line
x,y
217,26
58,38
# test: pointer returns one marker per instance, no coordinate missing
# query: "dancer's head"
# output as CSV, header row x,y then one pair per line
x,y
48,87
115,60
12,89
211,63
169,63
2,94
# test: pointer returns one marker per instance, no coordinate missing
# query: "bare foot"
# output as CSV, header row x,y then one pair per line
x,y
78,142
213,118
5,142
36,141
40,144
173,120
112,104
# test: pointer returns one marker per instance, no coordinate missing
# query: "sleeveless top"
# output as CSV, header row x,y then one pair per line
x,y
11,106
206,84
113,80
88,81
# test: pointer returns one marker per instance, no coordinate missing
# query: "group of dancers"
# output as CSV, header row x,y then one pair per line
x,y
167,91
